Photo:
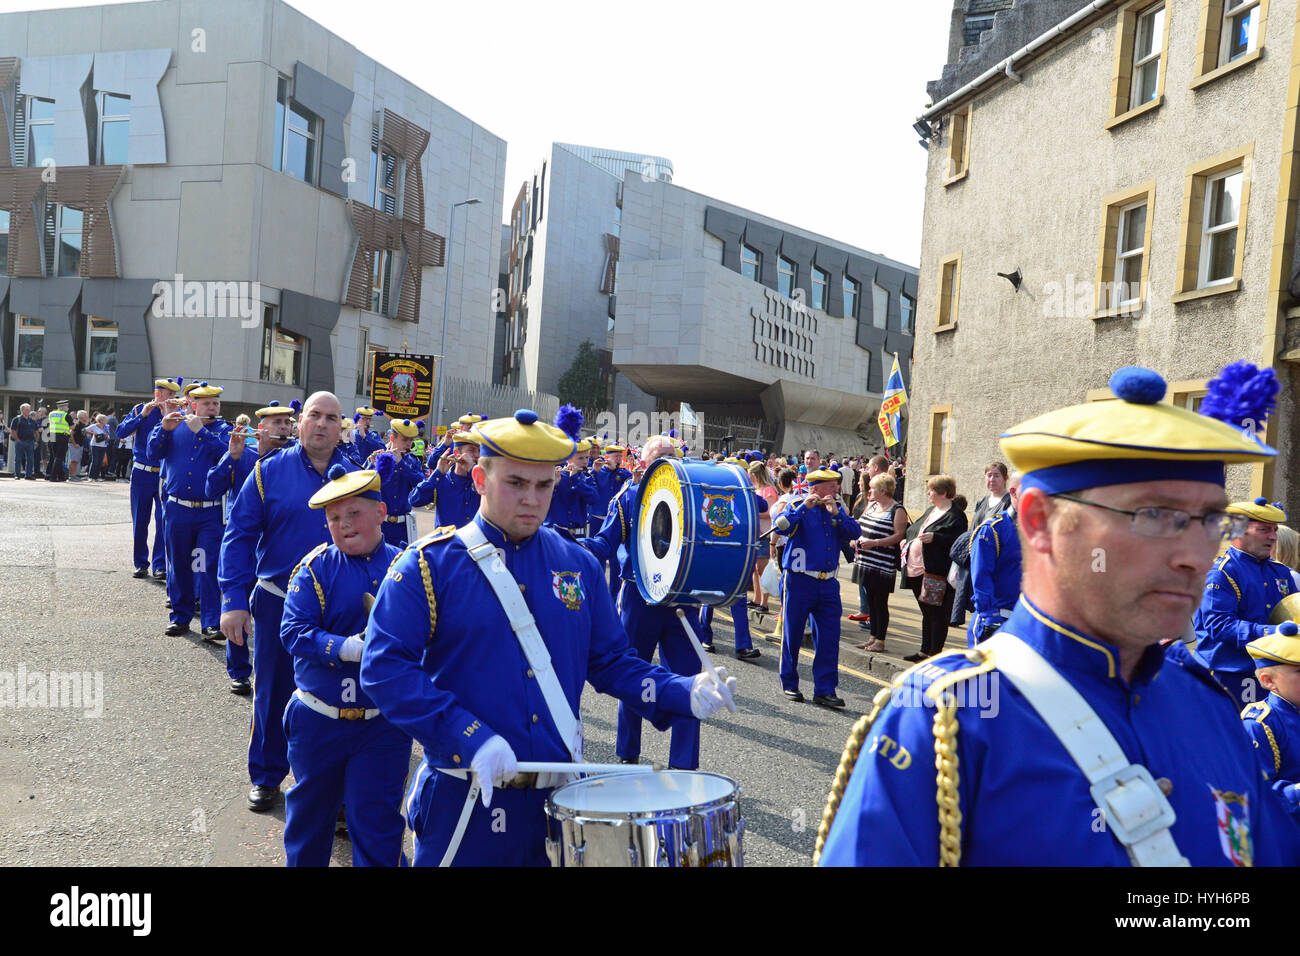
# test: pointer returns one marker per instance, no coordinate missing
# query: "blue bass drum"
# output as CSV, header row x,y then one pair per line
x,y
696,532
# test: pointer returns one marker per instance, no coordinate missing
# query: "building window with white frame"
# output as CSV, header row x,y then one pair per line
x,y
114,128
907,313
386,173
101,345
4,240
879,306
851,290
787,276
62,240
283,353
1148,44
40,130
821,283
750,262
29,344
1240,31
296,133
1219,224
381,277
1130,251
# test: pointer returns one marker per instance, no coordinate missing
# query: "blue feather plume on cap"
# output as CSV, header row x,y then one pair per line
x,y
569,420
1242,395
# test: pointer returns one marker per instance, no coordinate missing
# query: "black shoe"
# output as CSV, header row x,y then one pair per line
x,y
828,700
176,630
708,646
213,635
624,760
915,658
794,695
753,604
241,686
748,654
160,575
261,799
141,573
168,604
341,824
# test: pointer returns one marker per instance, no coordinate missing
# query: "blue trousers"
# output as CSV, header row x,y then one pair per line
x,y
187,531
24,458
739,615
804,597
511,832
649,626
238,665
268,749
144,502
357,763
395,532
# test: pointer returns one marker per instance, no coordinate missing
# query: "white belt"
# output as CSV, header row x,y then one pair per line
x,y
194,504
338,713
272,588
819,575
148,468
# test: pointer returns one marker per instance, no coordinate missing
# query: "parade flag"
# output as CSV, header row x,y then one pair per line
x,y
891,407
402,384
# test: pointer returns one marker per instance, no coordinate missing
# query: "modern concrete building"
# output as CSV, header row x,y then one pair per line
x,y
1134,167
290,193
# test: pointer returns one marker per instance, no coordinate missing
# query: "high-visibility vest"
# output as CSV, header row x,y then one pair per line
x,y
59,423
417,448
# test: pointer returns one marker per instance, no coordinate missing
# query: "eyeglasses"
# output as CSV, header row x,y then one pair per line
x,y
1170,523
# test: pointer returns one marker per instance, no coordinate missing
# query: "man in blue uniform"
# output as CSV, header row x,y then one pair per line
x,y
574,492
1241,591
816,527
745,649
1069,737
192,526
341,749
140,422
449,487
608,477
271,527
400,473
365,441
995,568
1274,723
476,696
225,478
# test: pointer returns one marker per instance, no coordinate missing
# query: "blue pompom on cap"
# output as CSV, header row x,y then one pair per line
x,y
295,405
1288,628
406,422
1137,385
273,403
336,472
1261,501
526,416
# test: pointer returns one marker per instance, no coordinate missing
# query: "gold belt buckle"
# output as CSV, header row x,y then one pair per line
x,y
352,713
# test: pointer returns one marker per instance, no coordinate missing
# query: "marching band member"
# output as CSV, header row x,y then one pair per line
x,y
995,568
271,527
575,490
140,422
365,442
1274,723
449,487
341,748
476,696
400,473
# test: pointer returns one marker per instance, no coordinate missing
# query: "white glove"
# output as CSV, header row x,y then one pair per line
x,y
493,764
707,698
352,648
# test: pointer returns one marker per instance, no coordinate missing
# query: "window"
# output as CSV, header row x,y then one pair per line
x,y
296,130
1144,86
1231,36
1240,32
821,281
907,311
363,360
1214,225
949,290
114,127
1124,255
1141,45
940,439
958,145
1188,395
787,276
101,347
750,262
381,276
879,306
29,351
4,238
386,173
851,298
283,353
40,130
62,240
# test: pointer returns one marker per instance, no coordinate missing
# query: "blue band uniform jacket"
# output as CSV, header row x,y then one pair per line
x,y
995,572
1240,593
1274,726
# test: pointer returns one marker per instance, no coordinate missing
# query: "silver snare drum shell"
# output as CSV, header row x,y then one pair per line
x,y
670,818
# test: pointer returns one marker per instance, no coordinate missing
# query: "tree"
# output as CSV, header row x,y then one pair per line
x,y
581,384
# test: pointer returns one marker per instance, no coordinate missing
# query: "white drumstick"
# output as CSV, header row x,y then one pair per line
x,y
704,657
542,766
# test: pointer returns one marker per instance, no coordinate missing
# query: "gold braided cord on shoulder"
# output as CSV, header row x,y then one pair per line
x,y
428,592
257,473
306,561
848,760
1228,577
320,594
1272,742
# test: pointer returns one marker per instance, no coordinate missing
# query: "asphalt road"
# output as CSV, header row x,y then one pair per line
x,y
153,771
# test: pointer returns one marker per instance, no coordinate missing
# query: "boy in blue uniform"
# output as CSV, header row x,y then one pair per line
x,y
575,491
443,662
1241,591
1274,723
816,528
995,570
341,749
140,422
192,527
400,472
449,487
1035,732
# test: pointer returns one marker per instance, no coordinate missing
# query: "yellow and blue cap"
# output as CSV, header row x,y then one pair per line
x,y
275,408
523,438
203,390
1280,647
471,418
346,484
366,411
1137,438
168,383
404,427
465,438
821,474
1258,510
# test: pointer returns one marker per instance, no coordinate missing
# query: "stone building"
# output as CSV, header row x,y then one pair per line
x,y
1108,183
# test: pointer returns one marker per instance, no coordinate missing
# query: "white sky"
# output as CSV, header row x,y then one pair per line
x,y
801,110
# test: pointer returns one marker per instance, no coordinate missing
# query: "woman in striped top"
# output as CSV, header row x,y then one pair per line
x,y
884,524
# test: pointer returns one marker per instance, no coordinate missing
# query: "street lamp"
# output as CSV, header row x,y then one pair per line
x,y
446,293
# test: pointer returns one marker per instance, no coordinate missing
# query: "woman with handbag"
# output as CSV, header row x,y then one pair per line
x,y
875,568
926,563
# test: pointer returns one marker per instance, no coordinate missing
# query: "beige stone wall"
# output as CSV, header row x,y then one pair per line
x,y
1040,162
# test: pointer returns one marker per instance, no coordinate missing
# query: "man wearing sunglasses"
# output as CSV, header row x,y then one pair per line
x,y
1241,591
1070,737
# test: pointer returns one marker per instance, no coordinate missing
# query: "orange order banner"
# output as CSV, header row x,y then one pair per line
x,y
888,433
892,404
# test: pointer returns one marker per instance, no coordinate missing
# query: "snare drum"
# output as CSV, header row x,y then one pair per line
x,y
696,532
672,818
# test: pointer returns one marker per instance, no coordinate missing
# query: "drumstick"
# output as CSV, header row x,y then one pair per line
x,y
543,766
704,658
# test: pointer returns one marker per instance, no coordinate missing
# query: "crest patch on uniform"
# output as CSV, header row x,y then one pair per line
x,y
567,586
1233,813
719,513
